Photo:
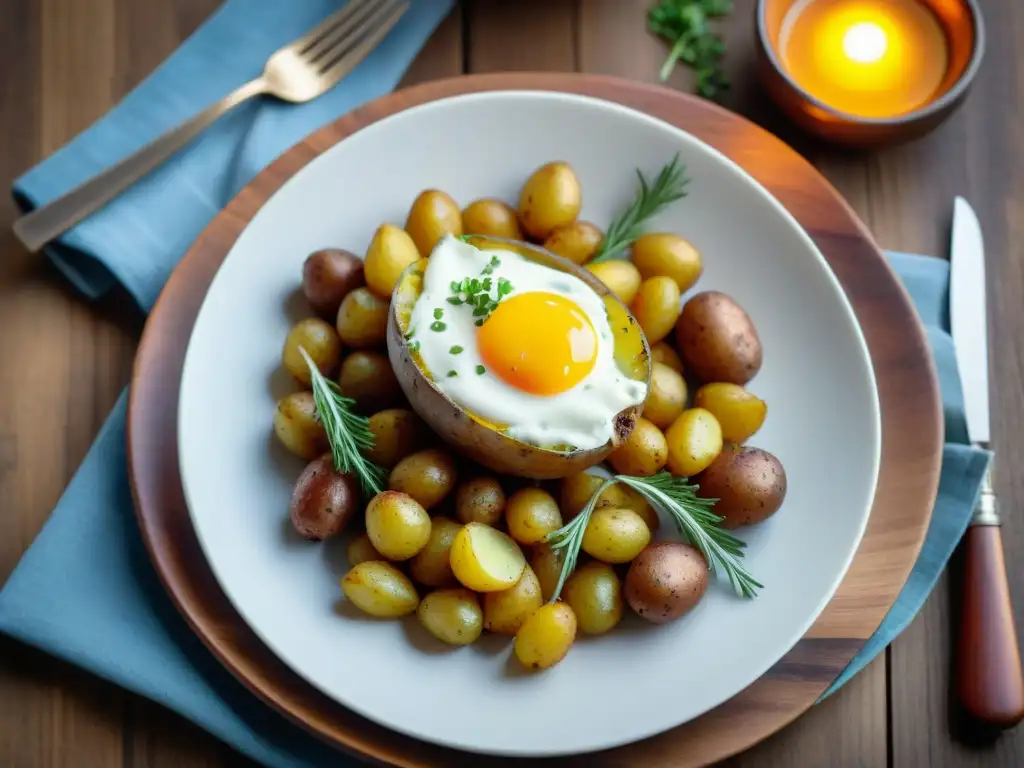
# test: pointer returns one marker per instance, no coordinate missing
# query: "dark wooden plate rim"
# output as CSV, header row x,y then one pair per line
x,y
908,480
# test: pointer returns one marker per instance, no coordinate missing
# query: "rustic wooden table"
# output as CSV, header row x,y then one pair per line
x,y
64,63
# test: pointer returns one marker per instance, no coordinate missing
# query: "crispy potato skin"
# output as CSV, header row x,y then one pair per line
x,y
749,483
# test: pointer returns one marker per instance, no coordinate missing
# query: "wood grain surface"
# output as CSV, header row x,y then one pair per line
x,y
68,61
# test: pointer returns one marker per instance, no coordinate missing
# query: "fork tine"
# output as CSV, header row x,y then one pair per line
x,y
325,26
326,42
335,67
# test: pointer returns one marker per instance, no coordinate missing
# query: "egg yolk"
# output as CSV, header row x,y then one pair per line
x,y
538,342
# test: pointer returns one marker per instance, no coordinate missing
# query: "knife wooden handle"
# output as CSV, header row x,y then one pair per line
x,y
990,682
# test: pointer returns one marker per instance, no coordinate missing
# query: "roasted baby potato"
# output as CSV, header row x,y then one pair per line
x,y
320,342
366,377
328,276
666,580
666,355
718,340
620,277
547,566
531,514
453,616
739,412
643,454
297,427
659,253
577,489
360,550
486,560
390,252
397,525
595,596
615,535
505,611
551,198
433,215
428,476
546,636
694,441
749,483
380,589
363,319
480,500
666,397
656,307
491,217
577,242
323,500
396,433
432,565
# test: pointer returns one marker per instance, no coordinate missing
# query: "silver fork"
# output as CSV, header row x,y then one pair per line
x,y
298,72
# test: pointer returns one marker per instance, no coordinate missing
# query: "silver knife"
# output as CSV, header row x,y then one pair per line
x,y
989,677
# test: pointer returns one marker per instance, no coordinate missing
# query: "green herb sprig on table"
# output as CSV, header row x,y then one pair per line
x,y
651,197
684,24
692,515
348,433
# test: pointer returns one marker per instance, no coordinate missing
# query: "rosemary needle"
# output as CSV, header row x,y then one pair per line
x,y
651,198
348,433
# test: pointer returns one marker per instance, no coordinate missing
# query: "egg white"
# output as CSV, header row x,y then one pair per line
x,y
581,416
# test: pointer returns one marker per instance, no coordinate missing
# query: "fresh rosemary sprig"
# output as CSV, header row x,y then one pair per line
x,y
692,515
348,433
684,24
669,186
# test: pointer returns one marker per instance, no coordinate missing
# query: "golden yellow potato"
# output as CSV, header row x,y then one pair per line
x,y
324,501
551,198
396,433
643,454
368,378
433,215
739,412
380,589
620,276
360,550
656,307
615,535
491,217
453,616
577,242
595,596
663,353
297,427
428,476
320,342
546,636
328,276
694,441
486,560
390,252
666,580
717,339
547,567
505,611
531,514
577,489
480,500
363,319
666,397
659,253
749,483
432,565
397,525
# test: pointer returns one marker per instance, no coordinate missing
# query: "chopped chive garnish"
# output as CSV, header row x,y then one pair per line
x,y
479,322
452,374
454,300
437,325
414,347
480,370
455,350
438,313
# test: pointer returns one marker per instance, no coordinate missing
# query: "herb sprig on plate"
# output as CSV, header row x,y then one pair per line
x,y
348,433
693,516
684,24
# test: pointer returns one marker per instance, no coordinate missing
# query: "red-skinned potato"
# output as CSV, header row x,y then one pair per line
x,y
666,580
323,501
717,339
328,276
749,483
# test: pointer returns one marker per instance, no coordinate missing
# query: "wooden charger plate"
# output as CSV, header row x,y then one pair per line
x,y
911,442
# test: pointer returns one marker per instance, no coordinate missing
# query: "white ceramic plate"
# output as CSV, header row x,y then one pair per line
x,y
823,423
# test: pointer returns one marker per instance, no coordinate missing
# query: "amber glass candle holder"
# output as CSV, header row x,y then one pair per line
x,y
809,62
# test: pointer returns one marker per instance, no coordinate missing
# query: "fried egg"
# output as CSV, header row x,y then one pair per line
x,y
525,347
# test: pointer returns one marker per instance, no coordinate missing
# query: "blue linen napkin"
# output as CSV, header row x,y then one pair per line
x,y
85,591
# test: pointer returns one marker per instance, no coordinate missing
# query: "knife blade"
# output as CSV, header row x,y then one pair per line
x,y
968,313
